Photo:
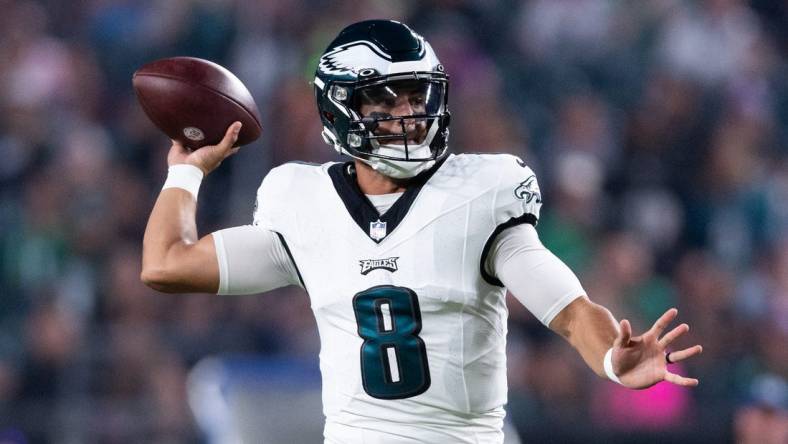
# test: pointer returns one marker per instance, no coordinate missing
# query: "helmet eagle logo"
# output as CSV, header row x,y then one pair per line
x,y
352,57
528,190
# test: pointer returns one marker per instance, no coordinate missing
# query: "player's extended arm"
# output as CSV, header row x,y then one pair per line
x,y
638,361
590,328
174,260
549,289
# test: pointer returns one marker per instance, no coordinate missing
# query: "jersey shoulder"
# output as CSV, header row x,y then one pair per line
x,y
488,169
511,183
287,185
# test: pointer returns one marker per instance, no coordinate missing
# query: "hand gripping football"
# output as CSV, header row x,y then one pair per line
x,y
194,101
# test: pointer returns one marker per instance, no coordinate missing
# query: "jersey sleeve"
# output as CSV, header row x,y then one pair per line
x,y
534,275
255,258
516,200
252,259
517,197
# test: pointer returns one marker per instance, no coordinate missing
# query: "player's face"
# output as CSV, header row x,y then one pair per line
x,y
401,99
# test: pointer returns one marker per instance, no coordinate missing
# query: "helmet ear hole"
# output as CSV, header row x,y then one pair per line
x,y
329,116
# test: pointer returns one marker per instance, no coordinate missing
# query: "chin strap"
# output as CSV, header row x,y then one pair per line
x,y
397,169
400,169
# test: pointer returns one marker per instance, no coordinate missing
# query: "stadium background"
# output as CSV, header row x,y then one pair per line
x,y
659,132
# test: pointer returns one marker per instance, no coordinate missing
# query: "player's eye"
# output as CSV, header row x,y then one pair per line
x,y
380,101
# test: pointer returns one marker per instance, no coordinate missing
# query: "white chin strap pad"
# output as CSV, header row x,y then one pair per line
x,y
399,169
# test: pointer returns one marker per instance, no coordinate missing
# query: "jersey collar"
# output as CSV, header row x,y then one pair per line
x,y
343,176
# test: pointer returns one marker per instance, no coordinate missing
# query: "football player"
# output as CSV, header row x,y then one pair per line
x,y
406,252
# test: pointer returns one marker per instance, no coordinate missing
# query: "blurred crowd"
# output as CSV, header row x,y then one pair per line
x,y
659,132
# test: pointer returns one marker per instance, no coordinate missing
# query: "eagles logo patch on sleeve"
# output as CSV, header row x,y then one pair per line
x,y
528,191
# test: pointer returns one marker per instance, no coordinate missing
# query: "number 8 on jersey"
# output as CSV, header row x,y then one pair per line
x,y
393,356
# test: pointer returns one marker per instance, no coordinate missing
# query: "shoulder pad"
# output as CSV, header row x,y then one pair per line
x,y
276,189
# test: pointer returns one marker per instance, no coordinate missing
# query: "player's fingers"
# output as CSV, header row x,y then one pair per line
x,y
230,137
177,148
681,355
624,333
673,334
680,380
177,153
664,321
177,145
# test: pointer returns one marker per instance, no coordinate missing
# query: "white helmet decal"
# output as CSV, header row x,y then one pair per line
x,y
346,59
350,58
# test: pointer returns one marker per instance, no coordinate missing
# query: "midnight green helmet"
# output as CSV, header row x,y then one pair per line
x,y
373,71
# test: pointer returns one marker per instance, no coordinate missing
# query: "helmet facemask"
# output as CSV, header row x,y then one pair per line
x,y
395,121
382,96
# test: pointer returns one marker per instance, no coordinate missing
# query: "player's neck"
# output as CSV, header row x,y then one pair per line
x,y
372,182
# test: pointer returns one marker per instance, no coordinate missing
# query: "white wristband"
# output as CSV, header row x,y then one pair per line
x,y
608,365
184,176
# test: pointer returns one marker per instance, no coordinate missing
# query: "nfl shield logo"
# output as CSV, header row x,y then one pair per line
x,y
377,230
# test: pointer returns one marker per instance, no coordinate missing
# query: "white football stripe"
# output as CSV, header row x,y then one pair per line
x,y
385,311
393,367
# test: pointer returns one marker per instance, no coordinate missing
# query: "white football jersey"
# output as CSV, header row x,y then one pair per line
x,y
412,326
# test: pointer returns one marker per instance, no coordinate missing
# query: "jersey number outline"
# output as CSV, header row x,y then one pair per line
x,y
393,356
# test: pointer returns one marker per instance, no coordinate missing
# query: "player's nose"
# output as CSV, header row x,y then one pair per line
x,y
403,107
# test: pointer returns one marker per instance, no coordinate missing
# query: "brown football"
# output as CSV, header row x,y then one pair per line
x,y
194,101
